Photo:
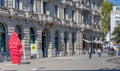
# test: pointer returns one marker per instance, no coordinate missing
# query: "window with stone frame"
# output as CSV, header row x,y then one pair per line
x,y
56,11
2,2
44,7
73,15
17,2
65,13
31,5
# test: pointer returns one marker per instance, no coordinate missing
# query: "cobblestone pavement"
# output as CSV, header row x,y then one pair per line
x,y
69,63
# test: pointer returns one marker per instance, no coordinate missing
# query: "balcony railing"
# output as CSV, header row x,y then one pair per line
x,y
67,2
46,18
57,20
4,10
33,16
85,7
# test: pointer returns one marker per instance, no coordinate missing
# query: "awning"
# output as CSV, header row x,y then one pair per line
x,y
100,42
95,41
88,41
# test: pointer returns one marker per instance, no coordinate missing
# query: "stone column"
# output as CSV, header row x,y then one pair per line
x,y
41,7
78,43
21,6
35,5
61,43
70,45
39,42
51,48
26,45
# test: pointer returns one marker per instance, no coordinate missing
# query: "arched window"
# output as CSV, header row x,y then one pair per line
x,y
18,30
32,35
2,38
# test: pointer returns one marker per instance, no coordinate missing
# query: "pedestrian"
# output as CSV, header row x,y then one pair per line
x,y
99,52
90,53
112,51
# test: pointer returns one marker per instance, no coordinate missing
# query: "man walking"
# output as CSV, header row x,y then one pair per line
x,y
90,53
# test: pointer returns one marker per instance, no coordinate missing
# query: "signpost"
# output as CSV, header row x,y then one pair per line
x,y
33,51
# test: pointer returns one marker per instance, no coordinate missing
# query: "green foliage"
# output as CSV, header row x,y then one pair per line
x,y
116,30
116,33
106,9
117,39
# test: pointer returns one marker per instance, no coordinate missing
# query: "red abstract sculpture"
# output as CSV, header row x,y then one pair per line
x,y
15,47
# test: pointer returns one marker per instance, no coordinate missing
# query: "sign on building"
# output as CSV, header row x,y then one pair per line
x,y
33,49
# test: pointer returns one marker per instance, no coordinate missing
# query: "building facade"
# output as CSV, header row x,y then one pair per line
x,y
114,22
49,28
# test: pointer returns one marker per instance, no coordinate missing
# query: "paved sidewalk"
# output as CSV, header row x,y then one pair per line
x,y
81,62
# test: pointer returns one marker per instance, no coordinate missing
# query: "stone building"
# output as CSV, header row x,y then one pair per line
x,y
50,28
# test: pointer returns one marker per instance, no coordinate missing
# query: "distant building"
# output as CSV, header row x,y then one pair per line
x,y
115,18
49,28
114,21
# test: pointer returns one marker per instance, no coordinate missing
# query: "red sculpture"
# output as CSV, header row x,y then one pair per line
x,y
15,47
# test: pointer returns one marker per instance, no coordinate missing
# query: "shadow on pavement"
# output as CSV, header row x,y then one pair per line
x,y
25,62
114,60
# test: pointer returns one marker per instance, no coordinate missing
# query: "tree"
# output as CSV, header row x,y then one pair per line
x,y
106,9
116,33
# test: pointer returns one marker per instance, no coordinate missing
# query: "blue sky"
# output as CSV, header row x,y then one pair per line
x,y
116,2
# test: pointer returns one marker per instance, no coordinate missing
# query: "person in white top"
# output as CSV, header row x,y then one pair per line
x,y
99,52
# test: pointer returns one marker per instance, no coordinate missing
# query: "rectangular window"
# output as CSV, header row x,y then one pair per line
x,y
93,5
2,2
6,3
98,6
117,8
72,15
17,4
117,22
56,10
31,5
44,7
65,13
